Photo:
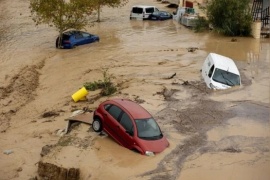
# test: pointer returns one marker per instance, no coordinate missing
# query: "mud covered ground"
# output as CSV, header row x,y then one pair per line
x,y
212,134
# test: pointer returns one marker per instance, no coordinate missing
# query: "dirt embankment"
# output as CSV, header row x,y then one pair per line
x,y
19,92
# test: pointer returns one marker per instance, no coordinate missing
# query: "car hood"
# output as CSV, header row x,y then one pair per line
x,y
155,146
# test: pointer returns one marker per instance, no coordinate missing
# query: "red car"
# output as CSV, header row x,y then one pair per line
x,y
130,125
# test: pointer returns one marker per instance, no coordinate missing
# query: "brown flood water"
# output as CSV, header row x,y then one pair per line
x,y
212,134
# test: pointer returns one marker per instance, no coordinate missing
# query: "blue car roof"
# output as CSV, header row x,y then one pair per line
x,y
72,32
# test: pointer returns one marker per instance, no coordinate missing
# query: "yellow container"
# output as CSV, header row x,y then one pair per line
x,y
80,94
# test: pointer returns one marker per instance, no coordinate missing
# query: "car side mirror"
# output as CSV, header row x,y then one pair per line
x,y
129,132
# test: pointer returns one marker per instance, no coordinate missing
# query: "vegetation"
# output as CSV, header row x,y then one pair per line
x,y
68,14
61,14
106,85
230,17
201,24
109,3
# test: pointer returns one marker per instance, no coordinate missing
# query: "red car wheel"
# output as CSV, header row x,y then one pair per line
x,y
97,125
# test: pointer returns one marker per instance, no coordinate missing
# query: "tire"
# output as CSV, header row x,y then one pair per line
x,y
97,125
57,43
74,46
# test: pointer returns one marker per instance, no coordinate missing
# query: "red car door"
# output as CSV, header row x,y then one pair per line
x,y
112,125
126,130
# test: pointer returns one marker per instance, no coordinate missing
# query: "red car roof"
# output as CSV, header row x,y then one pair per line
x,y
134,109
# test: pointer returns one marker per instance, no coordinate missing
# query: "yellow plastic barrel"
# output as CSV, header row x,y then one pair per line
x,y
80,94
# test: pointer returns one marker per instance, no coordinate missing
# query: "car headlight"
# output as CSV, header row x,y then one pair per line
x,y
149,153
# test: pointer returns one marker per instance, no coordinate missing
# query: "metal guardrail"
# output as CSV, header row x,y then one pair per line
x,y
257,9
258,13
265,17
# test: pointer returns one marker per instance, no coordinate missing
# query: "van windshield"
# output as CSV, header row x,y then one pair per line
x,y
226,77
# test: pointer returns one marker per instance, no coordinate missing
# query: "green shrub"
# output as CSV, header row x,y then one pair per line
x,y
106,86
230,17
201,24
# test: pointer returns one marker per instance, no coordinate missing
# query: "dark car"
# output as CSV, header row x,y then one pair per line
x,y
130,125
71,39
160,15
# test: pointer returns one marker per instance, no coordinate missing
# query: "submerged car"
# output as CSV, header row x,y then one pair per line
x,y
71,39
160,15
141,12
220,72
130,125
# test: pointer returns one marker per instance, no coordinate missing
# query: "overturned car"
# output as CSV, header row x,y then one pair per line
x,y
220,72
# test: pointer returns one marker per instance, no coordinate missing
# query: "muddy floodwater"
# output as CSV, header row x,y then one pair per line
x,y
212,134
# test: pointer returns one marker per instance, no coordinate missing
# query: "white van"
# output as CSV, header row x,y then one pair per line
x,y
220,72
142,12
186,16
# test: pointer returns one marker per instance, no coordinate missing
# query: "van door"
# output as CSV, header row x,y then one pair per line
x,y
136,13
148,11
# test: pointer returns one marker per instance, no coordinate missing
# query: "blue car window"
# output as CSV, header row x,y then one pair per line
x,y
85,35
78,36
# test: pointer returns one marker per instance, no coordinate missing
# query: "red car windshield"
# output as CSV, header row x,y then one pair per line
x,y
148,129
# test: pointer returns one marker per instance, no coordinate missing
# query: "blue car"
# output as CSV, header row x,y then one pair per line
x,y
71,39
160,15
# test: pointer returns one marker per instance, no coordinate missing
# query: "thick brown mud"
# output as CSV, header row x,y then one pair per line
x,y
212,134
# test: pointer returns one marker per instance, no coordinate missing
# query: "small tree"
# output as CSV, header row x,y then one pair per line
x,y
201,24
109,3
61,14
230,17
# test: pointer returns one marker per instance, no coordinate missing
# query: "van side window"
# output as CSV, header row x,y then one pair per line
x,y
137,10
211,71
149,10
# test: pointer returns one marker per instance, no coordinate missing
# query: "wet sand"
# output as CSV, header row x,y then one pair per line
x,y
212,134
